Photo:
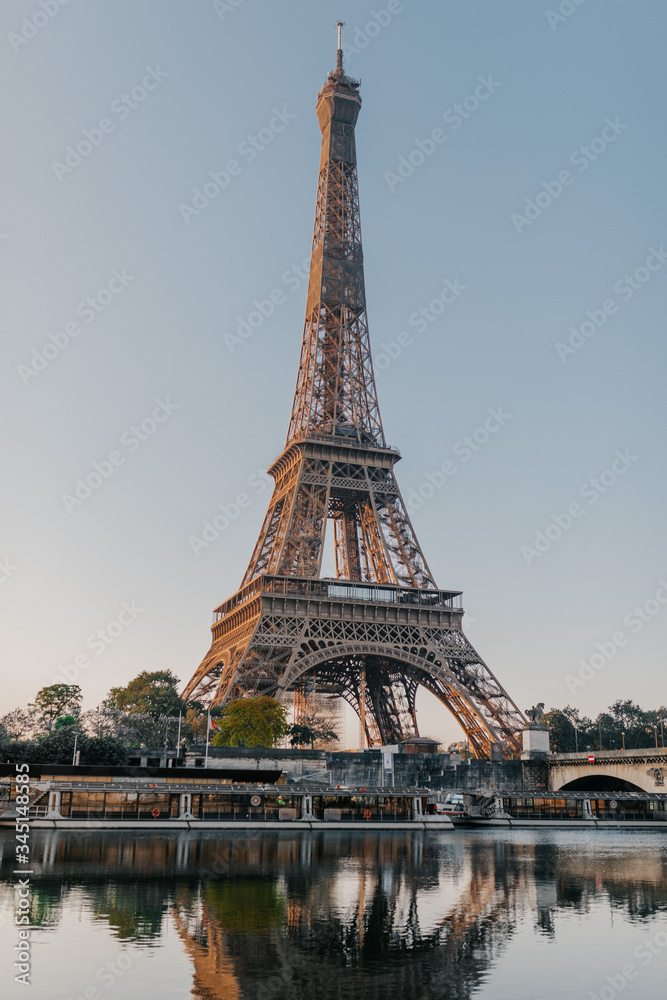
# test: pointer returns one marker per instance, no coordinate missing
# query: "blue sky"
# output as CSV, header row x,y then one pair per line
x,y
543,206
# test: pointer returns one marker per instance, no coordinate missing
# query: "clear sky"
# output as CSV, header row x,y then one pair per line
x,y
541,203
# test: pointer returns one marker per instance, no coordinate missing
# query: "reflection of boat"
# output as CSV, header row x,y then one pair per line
x,y
118,798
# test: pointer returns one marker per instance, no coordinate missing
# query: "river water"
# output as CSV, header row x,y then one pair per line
x,y
526,915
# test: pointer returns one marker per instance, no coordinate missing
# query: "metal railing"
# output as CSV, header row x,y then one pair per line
x,y
337,589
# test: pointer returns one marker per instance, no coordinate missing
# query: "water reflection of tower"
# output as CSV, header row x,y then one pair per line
x,y
387,915
213,973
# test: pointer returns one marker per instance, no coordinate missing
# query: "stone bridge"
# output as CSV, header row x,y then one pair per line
x,y
609,770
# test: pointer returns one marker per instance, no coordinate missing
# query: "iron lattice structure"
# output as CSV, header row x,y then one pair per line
x,y
381,628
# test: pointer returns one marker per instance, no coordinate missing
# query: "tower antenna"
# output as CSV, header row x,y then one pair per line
x,y
339,51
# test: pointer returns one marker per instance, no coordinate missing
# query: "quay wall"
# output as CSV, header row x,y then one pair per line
x,y
295,764
426,770
439,771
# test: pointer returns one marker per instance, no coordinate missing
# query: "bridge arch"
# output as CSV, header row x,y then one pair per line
x,y
600,783
623,775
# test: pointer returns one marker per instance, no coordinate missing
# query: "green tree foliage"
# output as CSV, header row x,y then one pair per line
x,y
57,700
149,693
310,733
57,747
137,729
247,906
103,750
252,722
194,726
622,722
65,720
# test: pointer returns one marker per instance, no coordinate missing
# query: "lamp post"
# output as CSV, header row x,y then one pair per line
x,y
623,735
576,737
662,731
74,760
655,730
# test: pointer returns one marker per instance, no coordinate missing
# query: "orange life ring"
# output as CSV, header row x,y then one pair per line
x,y
152,785
362,789
255,800
367,814
572,813
155,812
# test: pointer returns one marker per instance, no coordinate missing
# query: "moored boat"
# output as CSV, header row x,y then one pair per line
x,y
124,798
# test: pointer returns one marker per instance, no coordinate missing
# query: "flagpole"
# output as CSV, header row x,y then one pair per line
x,y
208,729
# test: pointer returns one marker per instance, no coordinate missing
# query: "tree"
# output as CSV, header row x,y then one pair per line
x,y
21,724
153,693
65,720
568,730
105,750
101,721
194,727
141,729
57,747
311,732
56,700
622,723
252,722
625,722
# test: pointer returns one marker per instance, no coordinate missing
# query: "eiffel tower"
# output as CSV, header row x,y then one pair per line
x,y
381,628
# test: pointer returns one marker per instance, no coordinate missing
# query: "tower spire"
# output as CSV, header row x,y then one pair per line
x,y
339,51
